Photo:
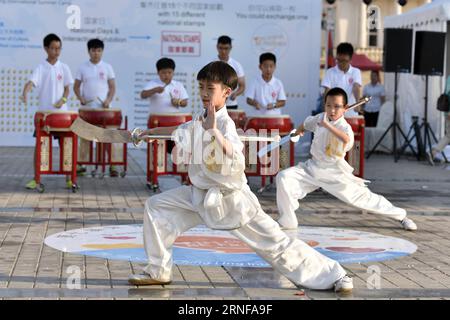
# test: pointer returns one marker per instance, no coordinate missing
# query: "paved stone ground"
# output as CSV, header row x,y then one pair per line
x,y
31,270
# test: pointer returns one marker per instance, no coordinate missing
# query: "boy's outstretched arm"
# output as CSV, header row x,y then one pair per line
x,y
77,91
240,90
253,103
148,93
26,89
63,99
111,93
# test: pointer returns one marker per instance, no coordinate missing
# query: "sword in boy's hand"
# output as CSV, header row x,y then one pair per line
x,y
294,138
90,132
361,101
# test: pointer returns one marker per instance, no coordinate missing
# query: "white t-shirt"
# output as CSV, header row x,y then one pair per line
x,y
240,73
162,102
50,81
266,92
376,92
94,81
335,77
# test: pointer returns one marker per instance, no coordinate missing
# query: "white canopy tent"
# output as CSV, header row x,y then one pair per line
x,y
434,16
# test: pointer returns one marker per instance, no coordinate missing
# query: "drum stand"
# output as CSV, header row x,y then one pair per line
x,y
415,130
262,169
158,163
68,148
102,160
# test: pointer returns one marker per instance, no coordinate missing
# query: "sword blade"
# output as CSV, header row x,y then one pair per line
x,y
263,151
90,132
259,138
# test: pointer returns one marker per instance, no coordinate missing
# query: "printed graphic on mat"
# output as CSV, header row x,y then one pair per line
x,y
206,247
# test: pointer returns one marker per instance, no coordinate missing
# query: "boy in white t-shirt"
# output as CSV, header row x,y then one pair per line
x,y
224,46
95,84
266,93
52,79
344,76
165,94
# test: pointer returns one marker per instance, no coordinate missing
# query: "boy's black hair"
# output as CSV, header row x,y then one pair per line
x,y
165,63
50,38
224,40
345,48
267,56
337,92
95,44
219,71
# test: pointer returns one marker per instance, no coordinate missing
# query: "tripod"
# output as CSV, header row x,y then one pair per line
x,y
427,128
394,126
415,129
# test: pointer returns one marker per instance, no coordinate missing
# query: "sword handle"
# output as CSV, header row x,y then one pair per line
x,y
361,101
135,137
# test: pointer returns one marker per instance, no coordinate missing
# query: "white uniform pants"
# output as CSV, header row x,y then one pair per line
x,y
169,214
295,183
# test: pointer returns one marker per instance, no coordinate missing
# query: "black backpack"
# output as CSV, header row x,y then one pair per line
x,y
443,103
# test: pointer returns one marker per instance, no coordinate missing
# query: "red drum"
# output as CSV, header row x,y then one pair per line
x,y
355,157
238,117
356,123
102,117
167,119
54,120
281,122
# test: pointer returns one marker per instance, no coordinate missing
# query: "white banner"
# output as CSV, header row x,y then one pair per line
x,y
138,33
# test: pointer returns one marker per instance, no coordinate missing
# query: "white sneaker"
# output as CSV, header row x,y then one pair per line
x,y
145,280
344,285
287,228
409,225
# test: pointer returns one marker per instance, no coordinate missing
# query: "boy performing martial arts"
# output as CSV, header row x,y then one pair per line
x,y
327,169
220,198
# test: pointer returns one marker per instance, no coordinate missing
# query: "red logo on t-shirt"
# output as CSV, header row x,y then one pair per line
x,y
59,77
350,80
102,75
274,94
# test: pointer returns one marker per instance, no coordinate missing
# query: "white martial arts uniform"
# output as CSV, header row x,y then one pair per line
x,y
328,170
221,198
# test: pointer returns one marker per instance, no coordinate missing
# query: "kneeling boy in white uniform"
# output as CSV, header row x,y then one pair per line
x,y
327,169
221,198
